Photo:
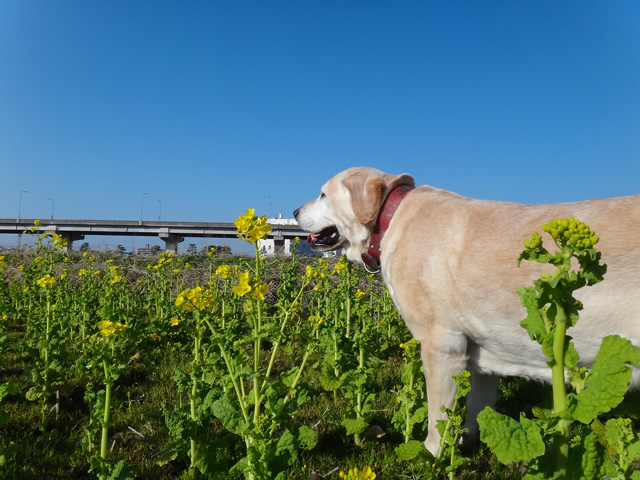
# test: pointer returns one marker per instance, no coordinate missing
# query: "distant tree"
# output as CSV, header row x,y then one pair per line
x,y
192,250
84,247
121,249
156,249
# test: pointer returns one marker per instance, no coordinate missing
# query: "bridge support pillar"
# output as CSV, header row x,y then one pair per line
x,y
171,241
70,238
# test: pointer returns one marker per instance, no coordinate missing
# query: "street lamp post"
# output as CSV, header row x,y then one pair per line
x,y
160,210
19,214
53,206
142,206
20,204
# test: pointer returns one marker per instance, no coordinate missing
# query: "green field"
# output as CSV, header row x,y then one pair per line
x,y
212,366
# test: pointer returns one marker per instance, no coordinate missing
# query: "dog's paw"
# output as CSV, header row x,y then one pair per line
x,y
468,442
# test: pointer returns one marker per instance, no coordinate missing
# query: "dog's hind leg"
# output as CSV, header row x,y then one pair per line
x,y
484,393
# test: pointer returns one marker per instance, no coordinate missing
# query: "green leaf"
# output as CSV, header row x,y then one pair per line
x,y
329,382
183,381
307,437
122,471
241,467
207,403
409,450
229,413
178,423
354,426
8,388
571,356
288,377
169,454
509,440
608,381
286,443
534,323
418,416
4,417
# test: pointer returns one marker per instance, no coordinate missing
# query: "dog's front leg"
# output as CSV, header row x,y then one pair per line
x,y
443,356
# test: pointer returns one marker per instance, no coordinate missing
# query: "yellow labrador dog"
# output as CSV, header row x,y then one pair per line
x,y
450,263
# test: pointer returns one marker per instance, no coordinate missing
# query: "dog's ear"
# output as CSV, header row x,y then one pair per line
x,y
368,192
366,196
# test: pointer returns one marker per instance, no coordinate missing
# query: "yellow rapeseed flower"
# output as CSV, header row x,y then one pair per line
x,y
174,321
37,223
108,328
341,265
223,271
60,242
259,291
115,274
354,474
197,298
250,227
243,286
310,272
47,281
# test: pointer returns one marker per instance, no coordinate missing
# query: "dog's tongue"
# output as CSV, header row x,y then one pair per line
x,y
312,237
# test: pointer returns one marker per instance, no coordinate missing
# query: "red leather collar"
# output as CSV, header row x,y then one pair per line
x,y
371,258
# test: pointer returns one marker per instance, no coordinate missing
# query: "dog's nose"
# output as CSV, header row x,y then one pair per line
x,y
295,213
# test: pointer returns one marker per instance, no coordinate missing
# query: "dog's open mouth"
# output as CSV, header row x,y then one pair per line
x,y
325,239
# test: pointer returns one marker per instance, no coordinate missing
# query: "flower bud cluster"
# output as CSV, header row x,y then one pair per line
x,y
572,232
534,242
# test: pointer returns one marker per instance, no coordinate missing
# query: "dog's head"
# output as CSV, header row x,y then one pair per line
x,y
344,214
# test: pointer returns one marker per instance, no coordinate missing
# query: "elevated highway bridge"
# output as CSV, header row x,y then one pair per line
x,y
171,232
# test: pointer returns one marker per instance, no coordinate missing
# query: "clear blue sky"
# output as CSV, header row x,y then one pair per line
x,y
212,107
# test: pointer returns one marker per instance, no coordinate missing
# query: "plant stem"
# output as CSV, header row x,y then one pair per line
x,y
360,390
407,428
294,384
194,393
348,332
46,344
106,419
257,346
276,345
561,442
